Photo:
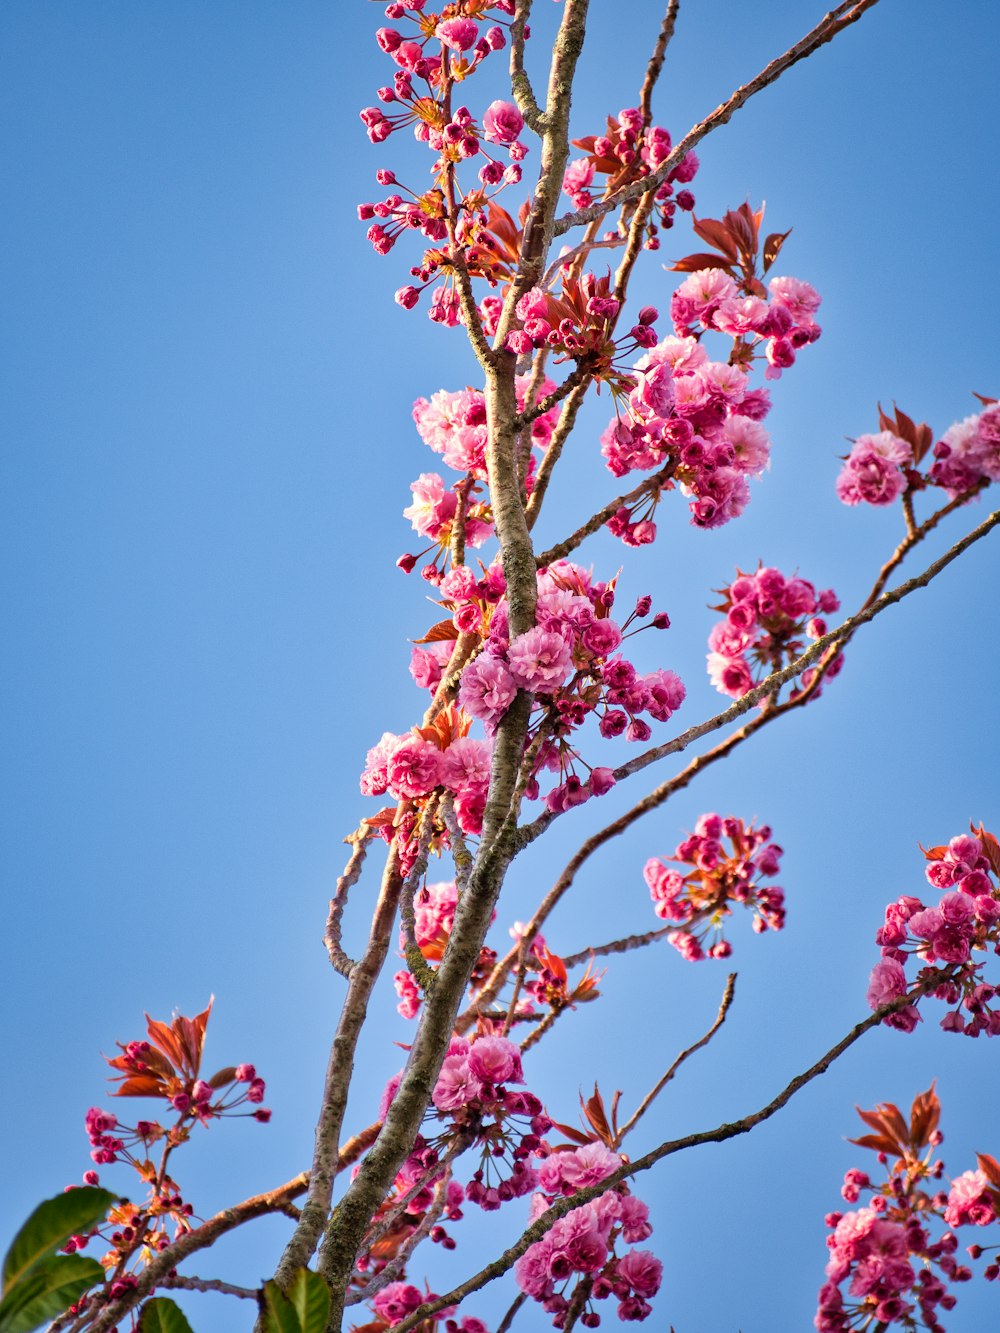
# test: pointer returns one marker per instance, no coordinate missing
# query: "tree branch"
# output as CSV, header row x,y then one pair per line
x,y
656,62
719,1134
828,28
647,1101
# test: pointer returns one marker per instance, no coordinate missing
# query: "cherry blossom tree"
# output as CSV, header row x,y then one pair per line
x,y
536,247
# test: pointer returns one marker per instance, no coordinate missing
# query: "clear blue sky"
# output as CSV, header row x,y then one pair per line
x,y
207,445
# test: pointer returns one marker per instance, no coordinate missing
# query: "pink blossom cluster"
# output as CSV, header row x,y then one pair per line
x,y
710,299
434,915
896,1272
570,661
453,424
431,59
969,452
876,1254
584,1244
399,1299
768,617
413,766
881,467
631,151
579,322
701,898
699,418
944,938
474,1100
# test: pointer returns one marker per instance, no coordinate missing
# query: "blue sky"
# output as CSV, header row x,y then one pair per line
x,y
207,433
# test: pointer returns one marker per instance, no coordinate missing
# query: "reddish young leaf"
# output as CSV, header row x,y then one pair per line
x,y
924,1115
772,246
991,847
878,1143
933,853
990,1168
443,631
694,264
717,234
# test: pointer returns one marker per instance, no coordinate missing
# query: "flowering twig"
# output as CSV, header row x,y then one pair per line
x,y
598,520
828,28
720,1134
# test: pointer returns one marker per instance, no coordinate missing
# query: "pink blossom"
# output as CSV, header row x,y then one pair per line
x,y
495,1060
969,1201
456,1084
887,982
394,1302
502,122
458,33
540,660
642,1271
487,689
414,767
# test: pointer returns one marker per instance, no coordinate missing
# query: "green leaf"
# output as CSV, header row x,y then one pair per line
x,y
305,1309
163,1316
50,1287
51,1225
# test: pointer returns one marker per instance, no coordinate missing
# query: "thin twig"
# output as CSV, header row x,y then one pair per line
x,y
536,1034
415,960
208,1284
352,873
598,520
507,1321
651,1096
656,62
565,424
624,945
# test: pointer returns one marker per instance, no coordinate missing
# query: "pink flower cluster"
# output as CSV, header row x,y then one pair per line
x,y
473,1099
875,471
453,424
628,151
399,1299
882,467
701,898
570,661
579,322
701,418
896,1273
966,920
768,616
583,1244
413,766
431,61
969,452
710,299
